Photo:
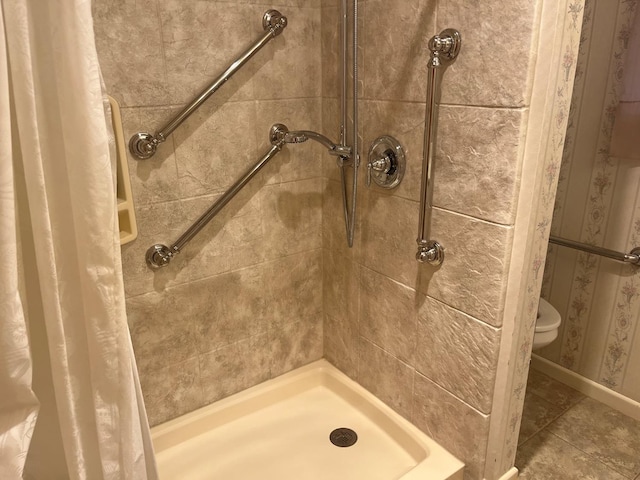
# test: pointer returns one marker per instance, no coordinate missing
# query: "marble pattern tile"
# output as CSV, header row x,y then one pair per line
x,y
457,352
211,151
472,277
171,391
536,414
551,390
341,344
157,223
134,76
294,211
229,308
235,367
334,236
297,49
388,315
155,179
295,344
477,166
388,378
331,128
340,285
471,80
331,51
546,456
453,424
396,53
294,288
602,432
162,331
232,240
201,40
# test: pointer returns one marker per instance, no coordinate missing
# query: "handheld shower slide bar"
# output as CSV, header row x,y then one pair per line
x,y
632,257
159,255
143,145
444,49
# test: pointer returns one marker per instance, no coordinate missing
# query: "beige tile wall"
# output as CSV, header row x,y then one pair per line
x,y
427,340
243,301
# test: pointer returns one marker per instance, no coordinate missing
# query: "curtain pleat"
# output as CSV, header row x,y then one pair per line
x,y
53,78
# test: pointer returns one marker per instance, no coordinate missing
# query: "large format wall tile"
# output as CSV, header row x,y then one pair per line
x,y
452,423
300,273
157,223
235,367
294,70
228,308
473,277
201,39
155,179
477,168
211,150
388,378
457,352
388,315
395,42
134,76
293,217
493,66
295,344
171,391
162,329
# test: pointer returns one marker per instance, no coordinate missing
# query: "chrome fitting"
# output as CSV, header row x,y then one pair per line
x,y
143,145
277,134
159,256
430,251
273,20
444,47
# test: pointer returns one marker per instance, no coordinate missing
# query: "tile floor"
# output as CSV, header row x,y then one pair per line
x,y
565,435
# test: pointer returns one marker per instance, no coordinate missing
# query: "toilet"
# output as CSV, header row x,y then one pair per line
x,y
547,324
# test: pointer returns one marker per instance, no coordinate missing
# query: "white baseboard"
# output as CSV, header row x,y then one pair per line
x,y
510,475
588,387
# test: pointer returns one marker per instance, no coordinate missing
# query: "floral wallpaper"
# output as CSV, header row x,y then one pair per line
x,y
604,218
543,214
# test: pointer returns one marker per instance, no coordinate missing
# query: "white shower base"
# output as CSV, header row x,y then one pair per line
x,y
280,429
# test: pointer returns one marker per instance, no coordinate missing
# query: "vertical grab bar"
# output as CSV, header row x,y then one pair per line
x,y
444,49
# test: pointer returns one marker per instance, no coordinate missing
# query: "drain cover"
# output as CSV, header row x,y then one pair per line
x,y
343,437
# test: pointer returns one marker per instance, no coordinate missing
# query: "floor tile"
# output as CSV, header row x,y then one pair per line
x,y
602,432
552,390
547,457
537,414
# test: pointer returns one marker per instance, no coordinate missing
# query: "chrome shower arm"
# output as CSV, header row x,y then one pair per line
x,y
300,136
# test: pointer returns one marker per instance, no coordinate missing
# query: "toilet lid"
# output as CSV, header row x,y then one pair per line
x,y
548,317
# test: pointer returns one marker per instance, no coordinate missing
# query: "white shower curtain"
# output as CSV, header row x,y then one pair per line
x,y
57,213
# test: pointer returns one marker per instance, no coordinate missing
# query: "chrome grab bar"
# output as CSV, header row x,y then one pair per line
x,y
444,49
159,255
632,257
143,145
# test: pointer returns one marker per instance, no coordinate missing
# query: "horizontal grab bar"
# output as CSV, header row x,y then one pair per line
x,y
143,145
159,255
633,257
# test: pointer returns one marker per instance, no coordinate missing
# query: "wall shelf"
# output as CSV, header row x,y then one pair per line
x,y
126,212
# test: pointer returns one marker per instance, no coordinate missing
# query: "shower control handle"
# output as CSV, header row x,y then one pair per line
x,y
386,162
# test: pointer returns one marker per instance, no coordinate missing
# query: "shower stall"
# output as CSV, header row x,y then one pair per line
x,y
304,262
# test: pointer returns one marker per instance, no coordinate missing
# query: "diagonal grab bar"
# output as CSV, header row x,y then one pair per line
x,y
444,50
159,255
143,145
